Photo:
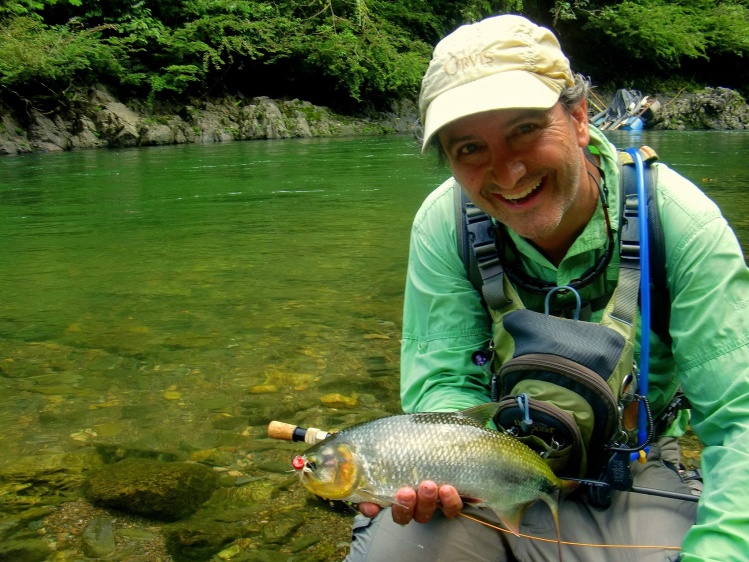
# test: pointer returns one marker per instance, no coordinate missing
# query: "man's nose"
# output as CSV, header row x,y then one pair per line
x,y
506,169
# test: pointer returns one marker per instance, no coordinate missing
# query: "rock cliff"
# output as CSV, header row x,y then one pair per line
x,y
103,121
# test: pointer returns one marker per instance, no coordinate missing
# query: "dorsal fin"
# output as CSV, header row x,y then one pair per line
x,y
483,413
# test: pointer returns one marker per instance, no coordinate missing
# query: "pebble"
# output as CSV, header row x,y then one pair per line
x,y
98,538
336,400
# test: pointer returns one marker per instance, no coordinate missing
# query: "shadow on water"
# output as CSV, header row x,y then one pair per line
x,y
167,303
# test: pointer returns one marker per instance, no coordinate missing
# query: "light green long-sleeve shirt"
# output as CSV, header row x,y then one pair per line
x,y
444,322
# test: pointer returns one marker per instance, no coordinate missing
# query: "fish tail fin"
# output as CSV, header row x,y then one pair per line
x,y
566,487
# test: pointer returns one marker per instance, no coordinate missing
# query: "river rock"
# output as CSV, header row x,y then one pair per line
x,y
281,527
98,537
50,135
114,120
28,550
709,109
13,138
157,134
43,479
101,120
86,134
159,490
199,541
27,518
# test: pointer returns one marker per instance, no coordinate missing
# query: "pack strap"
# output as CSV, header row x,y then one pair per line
x,y
628,286
480,249
660,303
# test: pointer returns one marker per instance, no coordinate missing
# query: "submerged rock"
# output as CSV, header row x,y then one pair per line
x,y
98,538
158,490
28,550
199,541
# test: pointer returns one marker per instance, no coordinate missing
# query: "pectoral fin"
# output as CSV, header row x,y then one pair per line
x,y
369,496
471,500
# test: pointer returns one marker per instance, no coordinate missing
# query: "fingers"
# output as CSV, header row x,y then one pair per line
x,y
450,501
426,501
369,509
420,504
404,506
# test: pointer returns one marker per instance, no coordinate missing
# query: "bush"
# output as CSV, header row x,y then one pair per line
x,y
33,55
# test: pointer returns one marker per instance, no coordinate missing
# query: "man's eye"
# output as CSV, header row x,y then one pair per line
x,y
467,149
526,128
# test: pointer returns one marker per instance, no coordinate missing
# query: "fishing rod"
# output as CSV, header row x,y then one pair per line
x,y
290,432
312,435
606,487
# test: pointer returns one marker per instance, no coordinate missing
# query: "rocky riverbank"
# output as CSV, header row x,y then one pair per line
x,y
101,120
718,109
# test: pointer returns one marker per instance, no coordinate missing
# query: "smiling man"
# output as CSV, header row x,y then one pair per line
x,y
500,103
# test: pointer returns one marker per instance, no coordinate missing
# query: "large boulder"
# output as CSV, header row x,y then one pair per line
x,y
116,122
166,491
709,109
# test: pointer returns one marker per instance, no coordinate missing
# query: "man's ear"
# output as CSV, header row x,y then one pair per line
x,y
579,116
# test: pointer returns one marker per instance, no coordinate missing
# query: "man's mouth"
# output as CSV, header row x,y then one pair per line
x,y
522,197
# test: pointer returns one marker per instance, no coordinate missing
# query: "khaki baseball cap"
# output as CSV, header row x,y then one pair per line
x,y
501,62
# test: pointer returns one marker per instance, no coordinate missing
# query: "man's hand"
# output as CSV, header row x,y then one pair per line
x,y
420,504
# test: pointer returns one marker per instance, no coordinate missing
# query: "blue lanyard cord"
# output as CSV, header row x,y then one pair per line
x,y
642,420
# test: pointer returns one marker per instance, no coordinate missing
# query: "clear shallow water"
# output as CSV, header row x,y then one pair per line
x,y
146,291
179,298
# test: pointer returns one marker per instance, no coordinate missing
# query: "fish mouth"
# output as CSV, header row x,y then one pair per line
x,y
521,197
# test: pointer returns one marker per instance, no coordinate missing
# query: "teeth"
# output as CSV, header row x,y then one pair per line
x,y
525,193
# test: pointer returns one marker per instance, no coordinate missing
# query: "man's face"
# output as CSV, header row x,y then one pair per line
x,y
525,167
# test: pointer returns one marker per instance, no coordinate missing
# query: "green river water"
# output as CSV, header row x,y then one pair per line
x,y
172,301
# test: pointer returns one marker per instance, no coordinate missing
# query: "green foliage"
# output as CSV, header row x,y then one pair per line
x,y
174,78
727,29
21,8
662,34
356,52
665,32
566,11
33,54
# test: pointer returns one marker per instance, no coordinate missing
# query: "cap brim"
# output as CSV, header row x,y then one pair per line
x,y
513,89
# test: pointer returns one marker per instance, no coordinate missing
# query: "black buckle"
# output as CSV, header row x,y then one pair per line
x,y
630,234
679,402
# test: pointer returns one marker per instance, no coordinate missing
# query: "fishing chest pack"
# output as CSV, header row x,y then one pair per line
x,y
568,387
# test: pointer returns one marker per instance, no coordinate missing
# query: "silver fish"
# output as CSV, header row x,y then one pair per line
x,y
371,461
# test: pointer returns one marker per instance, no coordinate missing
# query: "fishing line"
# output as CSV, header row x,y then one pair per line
x,y
570,543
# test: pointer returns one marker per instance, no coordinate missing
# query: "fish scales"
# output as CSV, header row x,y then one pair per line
x,y
405,450
370,462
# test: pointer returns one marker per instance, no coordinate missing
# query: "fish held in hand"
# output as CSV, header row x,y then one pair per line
x,y
369,462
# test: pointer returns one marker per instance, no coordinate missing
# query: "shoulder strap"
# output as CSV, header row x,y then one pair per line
x,y
464,244
475,233
660,302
